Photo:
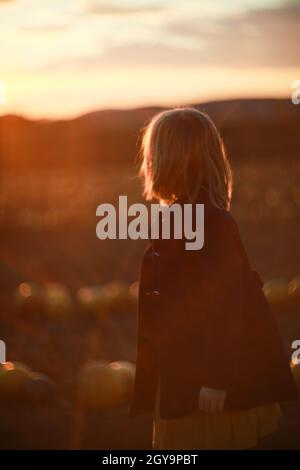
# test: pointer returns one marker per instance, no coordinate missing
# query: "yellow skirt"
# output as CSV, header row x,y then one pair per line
x,y
228,430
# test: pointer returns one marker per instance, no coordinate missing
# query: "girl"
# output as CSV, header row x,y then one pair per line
x,y
210,363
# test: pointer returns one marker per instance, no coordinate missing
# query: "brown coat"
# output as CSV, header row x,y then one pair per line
x,y
203,321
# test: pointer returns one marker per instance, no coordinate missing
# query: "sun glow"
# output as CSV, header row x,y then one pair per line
x,y
2,92
64,58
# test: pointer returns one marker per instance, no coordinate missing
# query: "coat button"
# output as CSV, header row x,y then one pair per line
x,y
157,254
154,293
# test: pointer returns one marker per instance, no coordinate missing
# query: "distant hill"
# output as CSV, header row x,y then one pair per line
x,y
252,128
233,110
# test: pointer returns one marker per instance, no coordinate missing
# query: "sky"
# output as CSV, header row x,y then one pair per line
x,y
61,58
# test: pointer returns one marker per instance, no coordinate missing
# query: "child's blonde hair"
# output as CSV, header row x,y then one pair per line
x,y
182,152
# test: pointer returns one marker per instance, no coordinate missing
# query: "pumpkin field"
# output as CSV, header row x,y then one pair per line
x,y
68,300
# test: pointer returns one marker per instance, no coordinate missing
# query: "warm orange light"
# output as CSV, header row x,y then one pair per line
x,y
115,365
64,97
25,289
8,366
2,92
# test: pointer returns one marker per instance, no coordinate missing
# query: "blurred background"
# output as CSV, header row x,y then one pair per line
x,y
78,80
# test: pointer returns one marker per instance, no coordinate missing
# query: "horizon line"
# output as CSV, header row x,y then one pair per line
x,y
74,116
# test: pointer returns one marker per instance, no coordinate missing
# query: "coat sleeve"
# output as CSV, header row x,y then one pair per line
x,y
242,351
221,274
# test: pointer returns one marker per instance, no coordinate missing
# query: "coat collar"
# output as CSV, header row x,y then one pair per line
x,y
157,244
201,198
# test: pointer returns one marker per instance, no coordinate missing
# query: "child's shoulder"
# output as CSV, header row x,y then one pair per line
x,y
221,226
219,216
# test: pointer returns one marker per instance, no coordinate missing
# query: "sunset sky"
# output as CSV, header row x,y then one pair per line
x,y
65,57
